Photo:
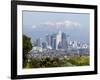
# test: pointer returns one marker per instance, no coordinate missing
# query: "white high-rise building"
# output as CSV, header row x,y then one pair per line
x,y
48,39
58,39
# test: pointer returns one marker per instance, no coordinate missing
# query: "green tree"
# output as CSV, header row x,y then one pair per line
x,y
27,46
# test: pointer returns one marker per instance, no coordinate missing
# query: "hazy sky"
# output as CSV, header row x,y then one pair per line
x,y
39,24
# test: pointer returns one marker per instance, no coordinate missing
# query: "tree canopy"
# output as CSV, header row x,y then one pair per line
x,y
27,46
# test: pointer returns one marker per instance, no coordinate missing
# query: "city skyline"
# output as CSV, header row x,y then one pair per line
x,y
58,44
58,41
70,23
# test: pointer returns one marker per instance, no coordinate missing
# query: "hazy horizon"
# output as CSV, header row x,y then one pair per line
x,y
38,24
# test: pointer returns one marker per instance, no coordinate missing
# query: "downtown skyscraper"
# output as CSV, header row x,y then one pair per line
x,y
60,41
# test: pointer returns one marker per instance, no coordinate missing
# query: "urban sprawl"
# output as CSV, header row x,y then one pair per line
x,y
58,45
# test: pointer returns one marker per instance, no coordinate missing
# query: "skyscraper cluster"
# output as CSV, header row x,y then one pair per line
x,y
55,41
59,41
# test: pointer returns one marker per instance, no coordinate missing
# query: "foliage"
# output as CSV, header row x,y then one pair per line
x,y
79,60
56,62
27,46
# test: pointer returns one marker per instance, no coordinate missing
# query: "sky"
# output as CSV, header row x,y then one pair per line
x,y
37,24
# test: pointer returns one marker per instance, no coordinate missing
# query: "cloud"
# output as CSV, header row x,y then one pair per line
x,y
48,23
71,24
58,25
33,26
66,24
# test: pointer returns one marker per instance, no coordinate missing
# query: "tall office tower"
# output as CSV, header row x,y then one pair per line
x,y
68,41
58,39
74,44
44,44
68,38
39,42
64,41
48,40
53,41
